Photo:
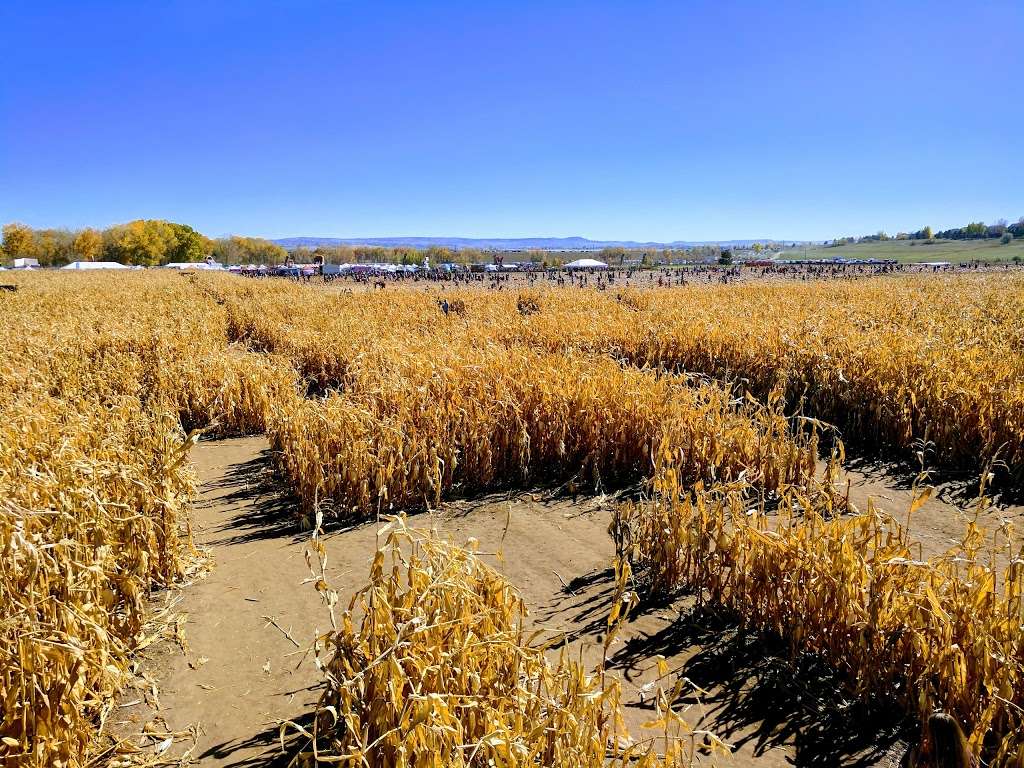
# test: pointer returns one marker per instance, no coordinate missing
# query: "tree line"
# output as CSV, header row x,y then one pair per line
x,y
145,242
155,242
976,230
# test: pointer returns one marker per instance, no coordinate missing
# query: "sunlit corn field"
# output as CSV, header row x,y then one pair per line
x,y
442,670
724,404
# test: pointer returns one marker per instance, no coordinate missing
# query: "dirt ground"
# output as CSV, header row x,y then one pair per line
x,y
242,674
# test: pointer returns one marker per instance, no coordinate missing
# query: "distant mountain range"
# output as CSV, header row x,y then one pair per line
x,y
504,243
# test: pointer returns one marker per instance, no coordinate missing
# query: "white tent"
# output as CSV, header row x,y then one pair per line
x,y
94,265
194,265
586,264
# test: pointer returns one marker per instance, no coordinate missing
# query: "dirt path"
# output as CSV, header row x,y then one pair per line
x,y
939,523
248,682
242,676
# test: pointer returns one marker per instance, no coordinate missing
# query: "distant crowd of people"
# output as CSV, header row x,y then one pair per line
x,y
602,279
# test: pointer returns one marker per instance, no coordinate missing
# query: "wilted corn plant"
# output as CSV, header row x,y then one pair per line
x,y
475,417
89,522
96,377
939,634
441,670
891,361
98,374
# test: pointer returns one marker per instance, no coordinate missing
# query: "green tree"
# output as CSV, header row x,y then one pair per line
x,y
725,258
247,250
226,251
975,229
144,241
188,245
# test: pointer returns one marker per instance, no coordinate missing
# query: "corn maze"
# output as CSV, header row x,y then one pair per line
x,y
728,405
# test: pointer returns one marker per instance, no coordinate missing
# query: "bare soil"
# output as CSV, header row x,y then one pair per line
x,y
242,674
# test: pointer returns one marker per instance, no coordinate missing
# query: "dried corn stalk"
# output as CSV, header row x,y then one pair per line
x,y
945,633
441,671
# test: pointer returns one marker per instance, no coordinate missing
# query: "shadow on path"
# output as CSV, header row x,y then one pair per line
x,y
268,509
747,688
262,750
756,696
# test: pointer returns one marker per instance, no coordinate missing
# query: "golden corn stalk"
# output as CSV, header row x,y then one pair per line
x,y
97,381
382,401
441,670
485,417
940,634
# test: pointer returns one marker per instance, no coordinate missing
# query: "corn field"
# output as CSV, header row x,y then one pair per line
x,y
441,670
942,634
377,403
99,386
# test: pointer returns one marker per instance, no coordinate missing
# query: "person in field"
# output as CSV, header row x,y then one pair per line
x,y
944,746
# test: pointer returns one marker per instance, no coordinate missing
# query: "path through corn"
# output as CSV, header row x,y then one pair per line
x,y
242,674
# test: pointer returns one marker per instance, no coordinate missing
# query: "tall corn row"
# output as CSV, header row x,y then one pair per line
x,y
891,361
96,381
944,633
474,419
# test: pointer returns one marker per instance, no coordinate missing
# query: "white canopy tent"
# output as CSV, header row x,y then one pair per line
x,y
95,265
183,265
194,265
586,264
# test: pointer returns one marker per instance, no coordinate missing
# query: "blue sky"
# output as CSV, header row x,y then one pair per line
x,y
661,121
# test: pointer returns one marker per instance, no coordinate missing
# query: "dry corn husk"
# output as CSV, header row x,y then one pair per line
x,y
440,670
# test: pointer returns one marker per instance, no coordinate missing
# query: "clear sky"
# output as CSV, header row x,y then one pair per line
x,y
612,120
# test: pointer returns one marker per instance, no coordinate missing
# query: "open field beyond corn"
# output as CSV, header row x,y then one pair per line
x,y
720,416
